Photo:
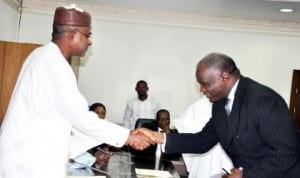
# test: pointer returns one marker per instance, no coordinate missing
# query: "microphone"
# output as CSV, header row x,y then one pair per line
x,y
90,167
103,151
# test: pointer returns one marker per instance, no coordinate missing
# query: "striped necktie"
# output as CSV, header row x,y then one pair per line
x,y
228,107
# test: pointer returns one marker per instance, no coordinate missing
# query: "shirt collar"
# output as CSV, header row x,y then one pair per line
x,y
232,91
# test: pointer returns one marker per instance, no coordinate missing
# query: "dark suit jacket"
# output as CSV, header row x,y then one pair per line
x,y
258,135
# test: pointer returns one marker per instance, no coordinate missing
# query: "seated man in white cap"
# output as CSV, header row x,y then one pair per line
x,y
46,104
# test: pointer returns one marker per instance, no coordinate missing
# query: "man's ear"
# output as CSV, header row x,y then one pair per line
x,y
225,76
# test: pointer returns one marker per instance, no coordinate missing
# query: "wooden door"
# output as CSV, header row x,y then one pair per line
x,y
12,58
2,44
295,98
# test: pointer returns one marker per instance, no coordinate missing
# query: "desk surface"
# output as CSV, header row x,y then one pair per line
x,y
122,165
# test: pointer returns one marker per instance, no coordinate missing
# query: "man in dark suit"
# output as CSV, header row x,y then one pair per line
x,y
251,121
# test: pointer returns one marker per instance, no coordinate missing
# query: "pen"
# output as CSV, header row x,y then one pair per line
x,y
225,171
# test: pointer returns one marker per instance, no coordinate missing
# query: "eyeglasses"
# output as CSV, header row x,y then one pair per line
x,y
84,34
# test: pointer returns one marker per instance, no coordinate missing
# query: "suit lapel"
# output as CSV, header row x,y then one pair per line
x,y
234,118
221,122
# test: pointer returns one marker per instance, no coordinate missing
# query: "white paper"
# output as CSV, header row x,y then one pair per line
x,y
152,173
86,177
82,161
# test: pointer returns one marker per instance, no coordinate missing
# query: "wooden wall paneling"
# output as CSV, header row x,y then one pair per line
x,y
2,59
2,46
12,56
295,98
15,54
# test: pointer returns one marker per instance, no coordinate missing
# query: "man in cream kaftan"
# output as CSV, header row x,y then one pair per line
x,y
44,106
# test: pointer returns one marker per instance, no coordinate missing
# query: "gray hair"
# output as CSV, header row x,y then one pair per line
x,y
220,62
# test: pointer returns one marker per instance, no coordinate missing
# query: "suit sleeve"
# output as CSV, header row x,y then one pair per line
x,y
199,142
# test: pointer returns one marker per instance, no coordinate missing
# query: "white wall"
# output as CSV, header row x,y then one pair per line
x,y
36,27
165,56
9,18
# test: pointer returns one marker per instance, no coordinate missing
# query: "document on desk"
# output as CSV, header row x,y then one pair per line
x,y
150,173
86,177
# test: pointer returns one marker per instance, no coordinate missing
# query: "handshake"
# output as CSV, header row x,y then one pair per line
x,y
142,138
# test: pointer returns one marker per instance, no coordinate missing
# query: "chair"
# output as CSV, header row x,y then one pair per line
x,y
146,123
149,124
180,168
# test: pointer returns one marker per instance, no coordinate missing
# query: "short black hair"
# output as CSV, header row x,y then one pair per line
x,y
161,111
141,82
95,105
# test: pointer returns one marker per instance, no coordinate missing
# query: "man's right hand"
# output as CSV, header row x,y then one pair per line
x,y
138,140
156,137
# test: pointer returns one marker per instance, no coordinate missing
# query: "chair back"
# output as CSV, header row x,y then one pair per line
x,y
149,124
146,122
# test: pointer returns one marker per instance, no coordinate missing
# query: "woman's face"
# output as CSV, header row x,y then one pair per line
x,y
100,111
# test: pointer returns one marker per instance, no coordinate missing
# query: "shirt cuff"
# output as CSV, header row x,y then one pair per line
x,y
164,144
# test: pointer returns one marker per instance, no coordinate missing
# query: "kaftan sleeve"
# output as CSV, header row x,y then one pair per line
x,y
73,106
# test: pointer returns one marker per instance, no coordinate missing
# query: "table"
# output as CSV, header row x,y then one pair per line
x,y
123,164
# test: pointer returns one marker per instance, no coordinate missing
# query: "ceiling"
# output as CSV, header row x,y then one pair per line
x,y
247,9
235,8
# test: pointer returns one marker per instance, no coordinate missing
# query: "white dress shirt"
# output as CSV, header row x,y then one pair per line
x,y
230,97
136,109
